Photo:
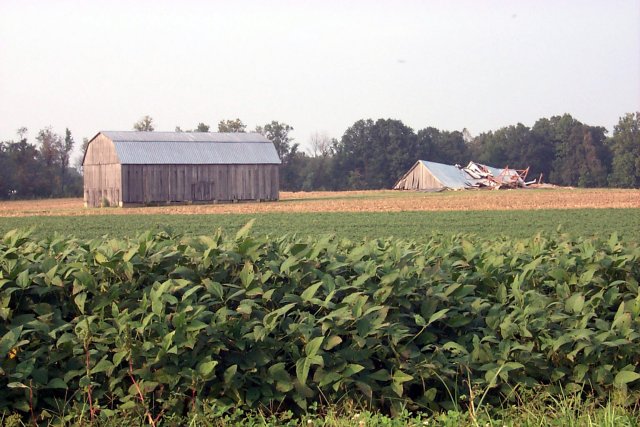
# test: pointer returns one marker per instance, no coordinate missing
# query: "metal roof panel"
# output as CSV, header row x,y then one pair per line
x,y
449,176
193,148
184,136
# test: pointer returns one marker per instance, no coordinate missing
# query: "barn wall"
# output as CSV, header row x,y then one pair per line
x,y
419,178
198,183
101,151
102,174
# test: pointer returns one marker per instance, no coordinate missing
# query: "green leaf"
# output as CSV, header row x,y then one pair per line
x,y
167,340
312,347
102,366
245,308
575,303
127,405
400,377
80,300
156,304
57,383
380,375
285,267
206,368
302,369
455,348
352,369
397,388
9,340
244,231
196,325
229,373
303,365
23,280
278,373
119,356
247,274
271,318
419,320
624,377
16,385
310,292
331,342
437,316
100,258
389,278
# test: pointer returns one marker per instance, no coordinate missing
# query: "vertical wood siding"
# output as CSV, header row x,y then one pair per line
x,y
198,183
419,178
102,174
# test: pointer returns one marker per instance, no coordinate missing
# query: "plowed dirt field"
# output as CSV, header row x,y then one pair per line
x,y
357,201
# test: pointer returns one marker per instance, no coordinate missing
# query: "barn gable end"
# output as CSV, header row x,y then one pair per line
x,y
419,177
102,173
133,168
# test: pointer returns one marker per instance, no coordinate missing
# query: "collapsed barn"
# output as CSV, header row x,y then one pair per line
x,y
432,176
133,168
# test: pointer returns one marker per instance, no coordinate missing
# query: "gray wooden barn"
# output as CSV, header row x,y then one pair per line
x,y
133,168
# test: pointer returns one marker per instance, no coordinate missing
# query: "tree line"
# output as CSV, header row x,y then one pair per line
x,y
375,154
560,150
371,154
38,170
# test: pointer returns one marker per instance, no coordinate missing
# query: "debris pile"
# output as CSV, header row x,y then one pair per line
x,y
484,176
432,176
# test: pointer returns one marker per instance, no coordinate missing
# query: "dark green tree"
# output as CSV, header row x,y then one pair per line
x,y
27,180
7,184
317,170
625,147
442,146
292,160
50,147
65,154
233,126
352,155
581,156
374,155
278,133
202,127
145,124
517,147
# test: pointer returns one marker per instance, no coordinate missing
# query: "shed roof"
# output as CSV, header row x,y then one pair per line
x,y
192,148
449,176
458,178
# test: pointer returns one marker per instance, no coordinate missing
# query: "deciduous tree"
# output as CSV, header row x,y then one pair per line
x,y
234,126
202,127
292,160
145,124
625,147
374,155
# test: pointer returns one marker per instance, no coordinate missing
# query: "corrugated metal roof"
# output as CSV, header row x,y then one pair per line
x,y
135,136
449,176
458,179
193,148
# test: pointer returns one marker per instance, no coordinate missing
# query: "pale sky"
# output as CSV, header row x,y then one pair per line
x,y
316,65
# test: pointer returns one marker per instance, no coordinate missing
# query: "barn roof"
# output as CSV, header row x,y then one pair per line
x,y
192,148
448,175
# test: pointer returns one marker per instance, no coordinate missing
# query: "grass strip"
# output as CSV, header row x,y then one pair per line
x,y
355,226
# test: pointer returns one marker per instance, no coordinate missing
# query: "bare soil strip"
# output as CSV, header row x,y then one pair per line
x,y
356,201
